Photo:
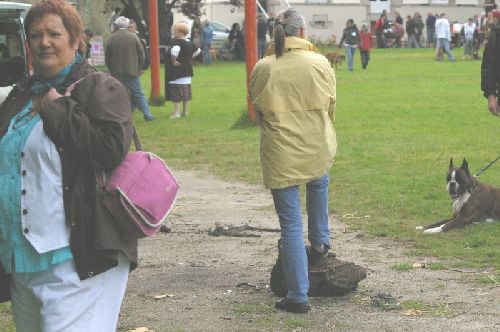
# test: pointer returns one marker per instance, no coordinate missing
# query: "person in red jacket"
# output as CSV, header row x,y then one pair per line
x,y
365,44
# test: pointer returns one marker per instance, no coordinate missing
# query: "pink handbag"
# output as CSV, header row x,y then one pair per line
x,y
139,194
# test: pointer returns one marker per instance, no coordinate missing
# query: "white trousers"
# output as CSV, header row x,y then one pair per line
x,y
56,300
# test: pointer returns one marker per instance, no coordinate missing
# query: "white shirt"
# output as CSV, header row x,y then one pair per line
x,y
443,28
469,31
43,202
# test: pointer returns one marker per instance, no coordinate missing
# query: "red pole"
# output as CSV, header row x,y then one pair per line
x,y
154,51
251,47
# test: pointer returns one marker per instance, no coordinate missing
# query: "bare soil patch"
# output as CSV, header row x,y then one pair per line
x,y
189,280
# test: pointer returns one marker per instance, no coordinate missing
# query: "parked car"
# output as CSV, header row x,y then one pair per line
x,y
14,55
220,36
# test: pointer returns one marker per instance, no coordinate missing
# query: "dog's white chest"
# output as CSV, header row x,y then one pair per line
x,y
459,202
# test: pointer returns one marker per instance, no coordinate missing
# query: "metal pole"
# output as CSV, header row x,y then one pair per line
x,y
262,9
251,48
154,51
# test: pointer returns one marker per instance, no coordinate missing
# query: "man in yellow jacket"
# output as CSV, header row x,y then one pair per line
x,y
293,91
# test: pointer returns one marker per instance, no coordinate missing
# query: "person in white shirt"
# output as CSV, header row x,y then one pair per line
x,y
468,31
443,37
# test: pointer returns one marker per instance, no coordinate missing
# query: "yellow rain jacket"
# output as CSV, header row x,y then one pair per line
x,y
294,98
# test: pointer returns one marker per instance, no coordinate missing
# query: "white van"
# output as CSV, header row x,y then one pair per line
x,y
14,59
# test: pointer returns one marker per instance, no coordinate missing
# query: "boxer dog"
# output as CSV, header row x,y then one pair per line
x,y
472,200
335,59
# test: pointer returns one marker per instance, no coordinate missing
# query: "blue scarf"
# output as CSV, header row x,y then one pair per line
x,y
42,85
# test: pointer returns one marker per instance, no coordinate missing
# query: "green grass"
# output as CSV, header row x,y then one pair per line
x,y
436,266
489,278
435,310
296,323
402,266
6,323
398,124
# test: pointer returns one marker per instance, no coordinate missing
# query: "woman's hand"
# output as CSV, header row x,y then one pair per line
x,y
40,100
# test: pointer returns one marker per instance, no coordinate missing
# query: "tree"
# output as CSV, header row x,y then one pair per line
x,y
138,10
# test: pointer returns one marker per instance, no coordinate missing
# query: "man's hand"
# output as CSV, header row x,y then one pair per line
x,y
493,105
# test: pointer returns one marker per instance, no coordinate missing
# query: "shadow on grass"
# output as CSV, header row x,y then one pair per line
x,y
243,122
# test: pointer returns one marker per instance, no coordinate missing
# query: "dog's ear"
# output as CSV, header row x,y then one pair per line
x,y
451,162
465,165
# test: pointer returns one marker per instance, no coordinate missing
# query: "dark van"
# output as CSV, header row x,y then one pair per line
x,y
14,58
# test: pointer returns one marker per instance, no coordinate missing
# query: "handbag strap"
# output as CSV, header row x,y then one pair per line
x,y
137,140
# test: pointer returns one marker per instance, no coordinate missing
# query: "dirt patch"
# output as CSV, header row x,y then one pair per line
x,y
189,280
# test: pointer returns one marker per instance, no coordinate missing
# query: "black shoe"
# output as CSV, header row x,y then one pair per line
x,y
298,308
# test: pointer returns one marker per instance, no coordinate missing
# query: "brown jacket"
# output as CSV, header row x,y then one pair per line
x,y
124,54
92,129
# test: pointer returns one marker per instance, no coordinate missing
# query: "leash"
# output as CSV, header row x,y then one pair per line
x,y
485,168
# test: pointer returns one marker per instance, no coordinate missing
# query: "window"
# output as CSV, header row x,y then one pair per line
x,y
320,21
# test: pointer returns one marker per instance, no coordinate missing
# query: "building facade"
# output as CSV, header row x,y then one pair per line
x,y
326,19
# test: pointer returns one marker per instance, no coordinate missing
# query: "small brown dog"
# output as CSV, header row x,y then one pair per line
x,y
335,59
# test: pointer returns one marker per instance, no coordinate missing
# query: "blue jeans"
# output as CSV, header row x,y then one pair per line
x,y
349,51
133,84
430,36
293,254
445,43
365,57
206,54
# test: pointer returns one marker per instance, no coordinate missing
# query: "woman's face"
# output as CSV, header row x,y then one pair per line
x,y
50,46
178,34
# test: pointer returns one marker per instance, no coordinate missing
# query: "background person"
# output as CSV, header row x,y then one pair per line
x,y
365,45
237,42
419,28
443,37
124,57
261,35
179,71
379,30
132,27
297,146
85,47
112,19
68,264
490,67
468,31
411,31
350,39
430,24
206,39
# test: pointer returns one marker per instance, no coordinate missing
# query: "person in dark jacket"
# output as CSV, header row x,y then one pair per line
x,y
430,24
350,40
237,42
490,67
179,71
379,30
261,35
411,32
66,263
